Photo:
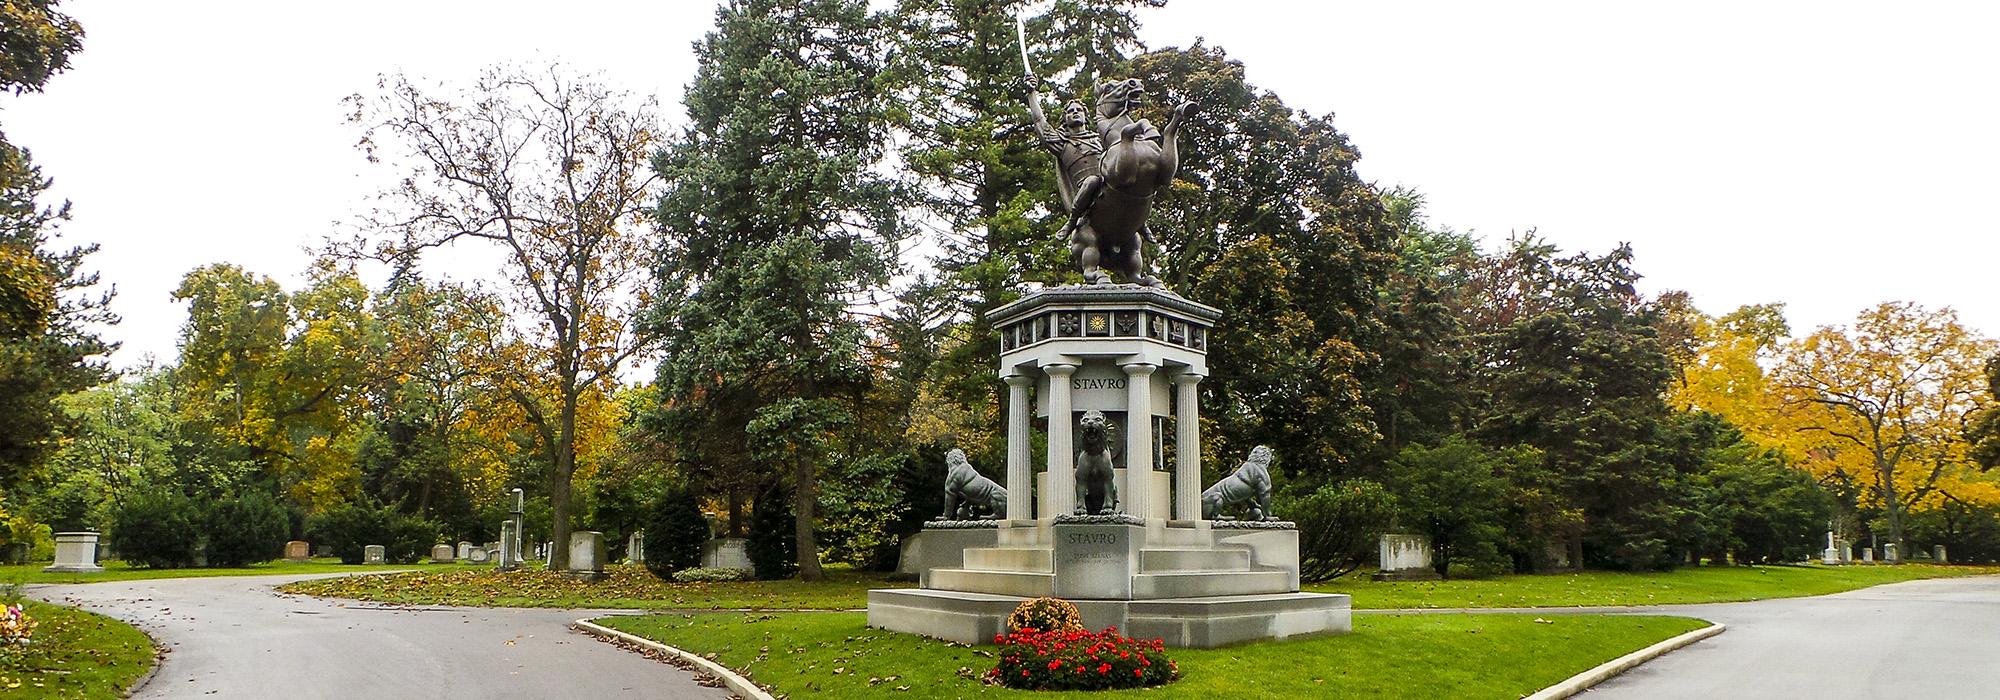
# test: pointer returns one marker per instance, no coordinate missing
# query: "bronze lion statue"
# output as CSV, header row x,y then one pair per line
x,y
1096,492
1250,484
967,494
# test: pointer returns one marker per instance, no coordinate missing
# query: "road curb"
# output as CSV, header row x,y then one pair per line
x,y
1609,669
737,684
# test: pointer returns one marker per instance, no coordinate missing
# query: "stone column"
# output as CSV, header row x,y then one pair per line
x,y
1062,458
1138,438
1187,448
1020,465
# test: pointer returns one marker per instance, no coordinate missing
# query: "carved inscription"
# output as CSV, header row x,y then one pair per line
x,y
1098,383
1093,538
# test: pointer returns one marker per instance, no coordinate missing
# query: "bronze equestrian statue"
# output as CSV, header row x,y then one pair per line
x,y
1107,175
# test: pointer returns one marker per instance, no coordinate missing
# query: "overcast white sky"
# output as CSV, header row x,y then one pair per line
x,y
1827,155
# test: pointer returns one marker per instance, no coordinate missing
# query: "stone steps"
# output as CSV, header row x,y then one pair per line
x,y
1166,560
1021,559
1204,584
1027,584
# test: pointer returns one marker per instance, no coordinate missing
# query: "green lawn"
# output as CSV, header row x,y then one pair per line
x,y
1708,584
833,655
76,654
120,571
627,587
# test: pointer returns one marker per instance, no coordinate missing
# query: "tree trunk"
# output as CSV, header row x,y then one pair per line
x,y
807,493
559,485
1893,508
735,512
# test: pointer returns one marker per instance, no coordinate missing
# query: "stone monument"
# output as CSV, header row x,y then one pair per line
x,y
298,550
1832,554
635,547
1110,368
1937,554
441,554
464,550
586,555
509,546
1406,558
1892,553
726,553
76,553
475,555
1867,555
374,554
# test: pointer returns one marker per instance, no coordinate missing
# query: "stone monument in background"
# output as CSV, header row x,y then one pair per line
x,y
1108,371
76,553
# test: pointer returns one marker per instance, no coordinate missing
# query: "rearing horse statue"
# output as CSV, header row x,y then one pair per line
x,y
1108,178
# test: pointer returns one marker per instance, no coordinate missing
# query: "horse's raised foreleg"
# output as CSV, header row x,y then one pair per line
x,y
1170,143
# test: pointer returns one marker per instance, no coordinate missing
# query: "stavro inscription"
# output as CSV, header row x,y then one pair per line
x,y
1087,384
1093,538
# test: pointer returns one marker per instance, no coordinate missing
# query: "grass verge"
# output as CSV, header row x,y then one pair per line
x,y
628,586
121,571
76,654
1707,584
632,587
834,655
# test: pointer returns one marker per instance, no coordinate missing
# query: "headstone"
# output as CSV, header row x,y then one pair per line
x,y
298,550
493,552
1867,555
464,549
475,555
726,553
374,554
1406,558
1937,554
1831,556
586,555
441,554
548,555
76,553
1892,554
510,546
635,547
1846,552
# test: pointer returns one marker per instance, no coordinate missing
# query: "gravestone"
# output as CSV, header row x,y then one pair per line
x,y
1846,552
586,555
510,546
1892,554
441,554
1937,554
76,553
374,554
726,553
1406,558
475,555
1867,555
298,550
464,550
1831,556
493,552
635,547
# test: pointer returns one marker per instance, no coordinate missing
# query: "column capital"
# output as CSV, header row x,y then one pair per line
x,y
1188,378
1019,380
1059,369
1139,369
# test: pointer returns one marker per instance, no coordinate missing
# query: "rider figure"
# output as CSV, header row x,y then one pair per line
x,y
1077,149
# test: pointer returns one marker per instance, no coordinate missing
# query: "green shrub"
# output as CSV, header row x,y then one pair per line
x,y
161,530
1340,527
350,527
245,530
702,575
675,532
773,542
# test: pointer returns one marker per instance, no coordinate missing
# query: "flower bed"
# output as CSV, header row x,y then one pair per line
x,y
1080,660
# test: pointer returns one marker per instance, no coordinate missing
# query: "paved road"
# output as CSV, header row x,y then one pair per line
x,y
1922,639
233,637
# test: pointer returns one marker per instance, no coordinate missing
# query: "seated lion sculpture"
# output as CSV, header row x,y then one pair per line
x,y
1096,492
1251,484
966,493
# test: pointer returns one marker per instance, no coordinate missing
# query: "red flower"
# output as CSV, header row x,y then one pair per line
x,y
1053,665
1104,668
1135,672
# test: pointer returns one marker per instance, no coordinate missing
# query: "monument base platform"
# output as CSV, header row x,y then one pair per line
x,y
1407,575
73,569
1199,623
